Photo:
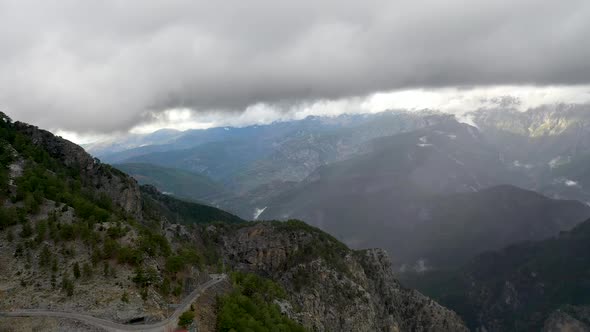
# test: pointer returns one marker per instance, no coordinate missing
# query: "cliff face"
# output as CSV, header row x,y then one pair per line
x,y
332,288
122,189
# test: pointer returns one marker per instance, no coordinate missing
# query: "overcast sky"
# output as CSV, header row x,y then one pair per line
x,y
104,66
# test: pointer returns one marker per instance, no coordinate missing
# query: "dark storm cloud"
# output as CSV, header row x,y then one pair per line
x,y
104,65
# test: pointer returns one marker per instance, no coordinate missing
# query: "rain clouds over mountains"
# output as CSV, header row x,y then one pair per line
x,y
423,185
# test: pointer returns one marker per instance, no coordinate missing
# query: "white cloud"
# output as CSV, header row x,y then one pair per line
x,y
452,100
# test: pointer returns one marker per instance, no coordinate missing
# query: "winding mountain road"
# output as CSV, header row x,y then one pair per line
x,y
169,324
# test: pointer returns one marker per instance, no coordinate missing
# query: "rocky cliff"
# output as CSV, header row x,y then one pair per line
x,y
331,287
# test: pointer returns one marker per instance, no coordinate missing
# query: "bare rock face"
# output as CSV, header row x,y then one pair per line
x,y
122,189
569,319
561,322
330,287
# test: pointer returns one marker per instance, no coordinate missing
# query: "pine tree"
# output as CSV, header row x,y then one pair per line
x,y
77,270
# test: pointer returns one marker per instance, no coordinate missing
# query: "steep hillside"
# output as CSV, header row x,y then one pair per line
x,y
83,237
517,288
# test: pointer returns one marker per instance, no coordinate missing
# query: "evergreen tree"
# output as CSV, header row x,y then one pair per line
x,y
76,270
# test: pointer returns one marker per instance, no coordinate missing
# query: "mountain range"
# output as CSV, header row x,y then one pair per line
x,y
483,212
84,247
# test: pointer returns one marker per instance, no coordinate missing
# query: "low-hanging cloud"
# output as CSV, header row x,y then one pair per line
x,y
108,65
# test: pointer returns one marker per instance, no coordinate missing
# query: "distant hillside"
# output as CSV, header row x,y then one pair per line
x,y
457,227
517,288
245,159
422,195
176,182
541,140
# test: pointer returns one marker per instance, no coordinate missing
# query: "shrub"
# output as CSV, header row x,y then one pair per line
x,y
125,297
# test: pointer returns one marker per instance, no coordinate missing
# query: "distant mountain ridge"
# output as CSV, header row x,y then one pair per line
x,y
283,150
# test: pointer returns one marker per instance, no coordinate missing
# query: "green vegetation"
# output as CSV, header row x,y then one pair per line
x,y
186,319
157,205
250,306
182,259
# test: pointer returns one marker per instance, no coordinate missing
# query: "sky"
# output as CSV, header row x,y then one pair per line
x,y
89,69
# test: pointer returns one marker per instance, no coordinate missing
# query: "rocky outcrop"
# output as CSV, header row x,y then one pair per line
x,y
332,288
122,189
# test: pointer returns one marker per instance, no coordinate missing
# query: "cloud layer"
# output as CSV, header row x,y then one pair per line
x,y
108,65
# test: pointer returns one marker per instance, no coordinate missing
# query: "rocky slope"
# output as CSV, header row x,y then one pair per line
x,y
333,288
